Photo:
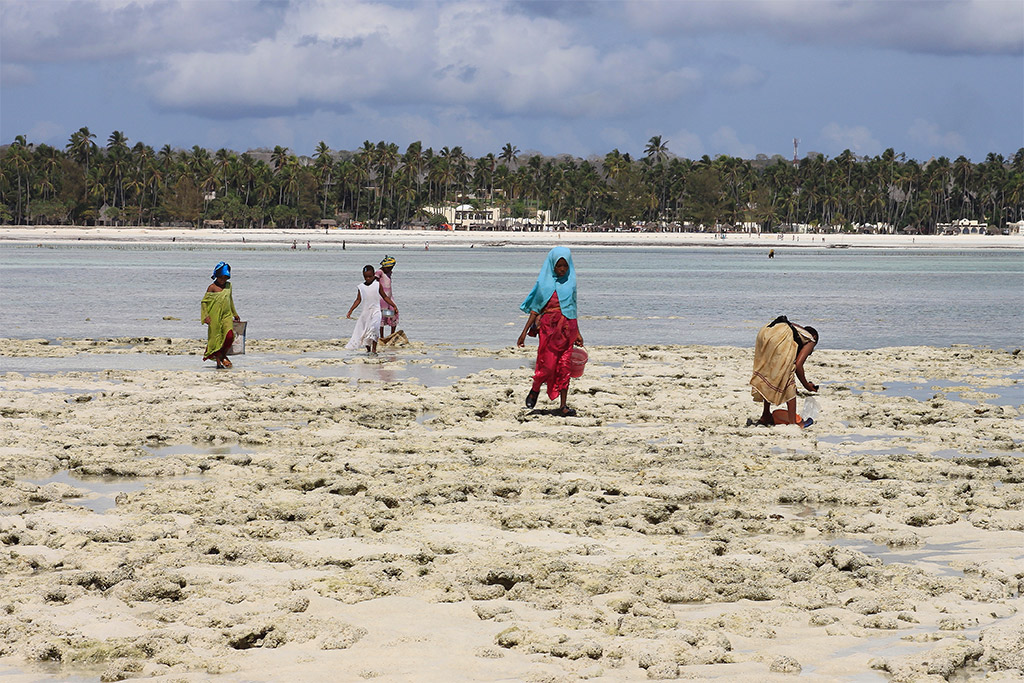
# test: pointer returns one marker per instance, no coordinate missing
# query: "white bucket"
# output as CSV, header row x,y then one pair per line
x,y
238,344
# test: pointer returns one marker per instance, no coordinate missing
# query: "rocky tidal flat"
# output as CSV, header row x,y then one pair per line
x,y
275,522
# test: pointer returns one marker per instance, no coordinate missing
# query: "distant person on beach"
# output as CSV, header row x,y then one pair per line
x,y
218,314
388,316
368,292
780,351
551,306
771,253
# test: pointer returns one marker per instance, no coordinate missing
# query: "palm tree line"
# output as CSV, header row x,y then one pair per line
x,y
380,185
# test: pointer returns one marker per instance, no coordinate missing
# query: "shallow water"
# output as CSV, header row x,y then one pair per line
x,y
935,558
857,298
1011,395
432,370
101,492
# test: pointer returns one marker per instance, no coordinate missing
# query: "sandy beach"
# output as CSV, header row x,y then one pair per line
x,y
271,522
433,238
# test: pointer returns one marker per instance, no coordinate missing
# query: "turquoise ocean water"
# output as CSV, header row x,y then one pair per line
x,y
857,298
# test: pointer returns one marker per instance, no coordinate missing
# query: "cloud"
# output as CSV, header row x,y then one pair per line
x,y
932,27
744,76
16,74
929,134
331,55
49,132
726,141
89,30
618,138
685,144
857,139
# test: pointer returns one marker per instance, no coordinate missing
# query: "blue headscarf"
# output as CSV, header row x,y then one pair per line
x,y
221,268
546,285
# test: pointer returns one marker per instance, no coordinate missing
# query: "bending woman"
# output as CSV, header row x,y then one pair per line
x,y
551,306
218,313
779,354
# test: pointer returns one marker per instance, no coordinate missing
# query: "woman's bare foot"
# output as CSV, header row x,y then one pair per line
x,y
225,363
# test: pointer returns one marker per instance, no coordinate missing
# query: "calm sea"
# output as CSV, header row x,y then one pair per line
x,y
857,298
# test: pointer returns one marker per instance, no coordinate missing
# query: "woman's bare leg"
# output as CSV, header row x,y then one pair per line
x,y
791,411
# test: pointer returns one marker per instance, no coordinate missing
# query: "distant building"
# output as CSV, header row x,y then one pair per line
x,y
107,215
874,228
468,217
962,226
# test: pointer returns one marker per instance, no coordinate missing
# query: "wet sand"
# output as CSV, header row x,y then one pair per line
x,y
312,515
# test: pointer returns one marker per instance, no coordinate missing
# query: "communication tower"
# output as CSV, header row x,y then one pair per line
x,y
796,143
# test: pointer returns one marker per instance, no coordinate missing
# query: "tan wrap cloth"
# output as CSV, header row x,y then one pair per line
x,y
775,363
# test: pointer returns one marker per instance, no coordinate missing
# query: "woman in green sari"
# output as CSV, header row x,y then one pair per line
x,y
219,314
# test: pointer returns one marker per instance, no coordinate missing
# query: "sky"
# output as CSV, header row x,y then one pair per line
x,y
928,78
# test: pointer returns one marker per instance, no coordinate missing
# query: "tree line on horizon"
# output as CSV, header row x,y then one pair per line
x,y
379,185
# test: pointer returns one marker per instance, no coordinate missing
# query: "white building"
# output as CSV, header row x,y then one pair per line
x,y
468,217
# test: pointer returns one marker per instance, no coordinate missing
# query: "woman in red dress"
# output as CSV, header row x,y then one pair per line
x,y
551,306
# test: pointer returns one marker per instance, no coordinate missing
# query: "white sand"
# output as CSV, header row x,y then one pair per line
x,y
328,530
422,238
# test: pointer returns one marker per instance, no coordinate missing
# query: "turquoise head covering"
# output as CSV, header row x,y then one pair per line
x,y
547,284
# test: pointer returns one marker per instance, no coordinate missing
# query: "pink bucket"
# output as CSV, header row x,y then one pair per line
x,y
577,361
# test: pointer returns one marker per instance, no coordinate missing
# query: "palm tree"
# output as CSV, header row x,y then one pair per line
x,y
656,150
81,147
509,154
222,160
615,163
387,161
247,173
279,157
20,159
413,159
323,167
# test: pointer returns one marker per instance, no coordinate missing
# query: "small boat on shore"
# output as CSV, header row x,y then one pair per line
x,y
838,246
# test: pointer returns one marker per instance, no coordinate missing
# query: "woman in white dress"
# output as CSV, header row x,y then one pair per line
x,y
367,329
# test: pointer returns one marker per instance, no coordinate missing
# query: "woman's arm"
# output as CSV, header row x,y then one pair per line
x,y
231,300
801,356
529,322
387,298
354,304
